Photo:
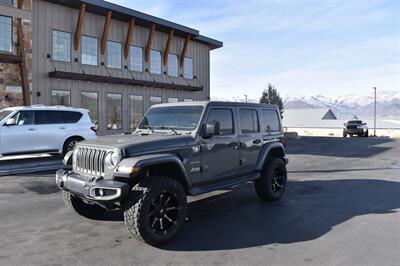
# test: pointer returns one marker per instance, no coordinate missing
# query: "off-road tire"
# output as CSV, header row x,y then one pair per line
x,y
138,214
78,206
366,134
344,135
265,186
69,142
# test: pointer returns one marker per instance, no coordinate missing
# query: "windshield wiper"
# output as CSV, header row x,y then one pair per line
x,y
170,129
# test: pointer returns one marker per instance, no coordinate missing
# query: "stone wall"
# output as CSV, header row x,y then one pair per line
x,y
10,80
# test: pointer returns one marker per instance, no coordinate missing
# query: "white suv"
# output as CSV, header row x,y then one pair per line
x,y
38,129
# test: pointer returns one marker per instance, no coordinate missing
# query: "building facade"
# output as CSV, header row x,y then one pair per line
x,y
114,61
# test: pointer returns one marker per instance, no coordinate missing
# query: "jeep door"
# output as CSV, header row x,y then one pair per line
x,y
219,154
20,137
250,138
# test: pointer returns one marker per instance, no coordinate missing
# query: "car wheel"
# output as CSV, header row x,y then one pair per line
x,y
155,210
78,206
271,184
70,144
344,135
366,134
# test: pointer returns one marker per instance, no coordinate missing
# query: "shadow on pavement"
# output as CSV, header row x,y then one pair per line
x,y
339,147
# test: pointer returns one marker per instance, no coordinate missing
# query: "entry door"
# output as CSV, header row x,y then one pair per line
x,y
219,154
21,137
250,139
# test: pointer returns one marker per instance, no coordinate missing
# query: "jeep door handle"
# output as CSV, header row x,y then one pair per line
x,y
257,141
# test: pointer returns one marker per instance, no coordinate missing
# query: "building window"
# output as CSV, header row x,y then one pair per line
x,y
172,65
61,46
7,2
114,56
173,100
155,62
154,100
60,97
114,111
188,68
188,100
89,50
136,108
5,34
248,120
90,101
136,58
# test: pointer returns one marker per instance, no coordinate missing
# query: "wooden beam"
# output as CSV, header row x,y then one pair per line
x,y
129,37
149,40
104,37
185,45
79,25
168,46
22,64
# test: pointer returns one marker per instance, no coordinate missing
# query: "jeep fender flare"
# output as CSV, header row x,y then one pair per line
x,y
154,159
266,150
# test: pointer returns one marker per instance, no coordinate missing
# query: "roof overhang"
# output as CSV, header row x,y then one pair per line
x,y
121,13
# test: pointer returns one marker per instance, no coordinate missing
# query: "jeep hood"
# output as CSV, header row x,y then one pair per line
x,y
136,144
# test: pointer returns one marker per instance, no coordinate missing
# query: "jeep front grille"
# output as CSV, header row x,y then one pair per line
x,y
90,161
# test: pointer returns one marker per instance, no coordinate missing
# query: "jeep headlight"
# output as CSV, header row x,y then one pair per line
x,y
112,159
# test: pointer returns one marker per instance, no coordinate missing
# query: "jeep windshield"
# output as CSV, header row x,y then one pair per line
x,y
172,118
4,114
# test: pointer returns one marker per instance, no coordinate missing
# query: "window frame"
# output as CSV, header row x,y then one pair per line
x,y
51,97
11,36
258,121
184,67
130,59
161,70
97,51
233,120
52,46
107,54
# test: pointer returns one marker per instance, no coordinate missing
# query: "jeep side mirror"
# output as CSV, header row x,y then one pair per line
x,y
10,122
364,124
211,129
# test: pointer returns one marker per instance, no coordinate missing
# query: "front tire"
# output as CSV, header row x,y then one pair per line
x,y
271,184
78,206
366,134
344,135
155,210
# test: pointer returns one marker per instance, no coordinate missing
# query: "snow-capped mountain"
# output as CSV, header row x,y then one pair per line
x,y
388,103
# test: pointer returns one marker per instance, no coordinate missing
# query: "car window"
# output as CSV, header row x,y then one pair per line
x,y
23,118
270,120
248,120
225,119
56,117
4,114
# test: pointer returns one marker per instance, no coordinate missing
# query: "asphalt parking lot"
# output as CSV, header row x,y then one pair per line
x,y
341,207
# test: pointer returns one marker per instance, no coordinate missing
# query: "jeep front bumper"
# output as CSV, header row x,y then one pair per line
x,y
91,188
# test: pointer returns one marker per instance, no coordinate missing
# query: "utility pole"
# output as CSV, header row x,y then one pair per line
x,y
245,98
374,112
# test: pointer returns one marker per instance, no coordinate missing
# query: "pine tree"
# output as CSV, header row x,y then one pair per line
x,y
271,96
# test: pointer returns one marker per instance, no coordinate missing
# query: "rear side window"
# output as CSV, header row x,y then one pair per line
x,y
56,117
225,119
249,121
270,120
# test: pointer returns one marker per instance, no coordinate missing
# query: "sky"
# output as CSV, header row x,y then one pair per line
x,y
303,48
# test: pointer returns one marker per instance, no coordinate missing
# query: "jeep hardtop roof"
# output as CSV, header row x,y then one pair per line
x,y
216,103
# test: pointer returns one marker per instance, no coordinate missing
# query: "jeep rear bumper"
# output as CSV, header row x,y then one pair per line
x,y
91,188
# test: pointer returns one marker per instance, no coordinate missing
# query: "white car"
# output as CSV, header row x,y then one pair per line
x,y
43,129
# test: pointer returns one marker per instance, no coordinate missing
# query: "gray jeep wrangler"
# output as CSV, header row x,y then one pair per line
x,y
177,150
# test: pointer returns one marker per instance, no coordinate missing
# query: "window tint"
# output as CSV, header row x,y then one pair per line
x,y
24,118
114,56
270,120
225,119
5,33
61,46
89,50
249,121
56,117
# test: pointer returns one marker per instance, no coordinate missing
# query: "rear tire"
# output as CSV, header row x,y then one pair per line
x,y
78,206
70,144
271,185
155,210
